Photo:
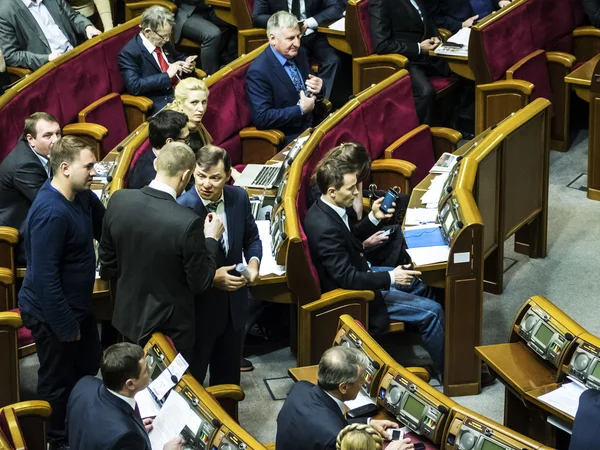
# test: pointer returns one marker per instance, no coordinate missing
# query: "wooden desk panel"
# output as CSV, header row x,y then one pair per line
x,y
458,64
337,39
306,373
581,78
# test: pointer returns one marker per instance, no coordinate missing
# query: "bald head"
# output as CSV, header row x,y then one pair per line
x,y
340,365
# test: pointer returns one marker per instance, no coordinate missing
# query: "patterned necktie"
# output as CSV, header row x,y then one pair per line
x,y
295,73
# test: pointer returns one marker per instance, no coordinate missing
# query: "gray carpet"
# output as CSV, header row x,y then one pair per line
x,y
568,277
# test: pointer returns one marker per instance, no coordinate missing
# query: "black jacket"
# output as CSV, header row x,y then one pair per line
x,y
323,11
157,251
592,10
586,428
99,420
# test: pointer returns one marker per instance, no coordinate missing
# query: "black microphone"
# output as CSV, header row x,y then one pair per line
x,y
442,409
375,365
459,224
120,148
569,336
284,236
459,158
109,178
448,189
216,423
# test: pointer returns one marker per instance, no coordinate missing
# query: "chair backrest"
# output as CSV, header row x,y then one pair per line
x,y
358,28
242,11
535,70
108,112
10,428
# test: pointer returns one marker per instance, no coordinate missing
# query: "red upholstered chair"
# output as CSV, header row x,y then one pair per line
x,y
23,425
249,37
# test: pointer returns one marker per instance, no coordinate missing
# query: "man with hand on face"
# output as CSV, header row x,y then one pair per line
x,y
103,415
161,254
222,311
312,416
281,90
56,297
337,252
149,64
24,171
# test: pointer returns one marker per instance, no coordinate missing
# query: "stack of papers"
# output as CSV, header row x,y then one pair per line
x,y
338,25
175,414
446,162
268,264
431,198
361,399
462,39
426,245
565,398
420,216
169,377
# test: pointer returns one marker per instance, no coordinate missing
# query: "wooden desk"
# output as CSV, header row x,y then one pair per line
x,y
458,65
337,39
585,81
306,373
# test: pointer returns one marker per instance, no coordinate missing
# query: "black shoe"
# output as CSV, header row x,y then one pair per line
x,y
61,445
246,365
487,377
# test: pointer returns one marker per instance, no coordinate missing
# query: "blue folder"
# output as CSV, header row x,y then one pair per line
x,y
424,237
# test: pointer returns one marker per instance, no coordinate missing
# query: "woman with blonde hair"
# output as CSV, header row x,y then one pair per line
x,y
191,99
359,436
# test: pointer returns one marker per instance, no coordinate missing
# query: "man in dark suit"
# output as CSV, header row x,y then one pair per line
x,y
456,14
159,254
25,170
149,64
312,416
403,26
222,312
33,33
337,252
586,428
281,90
592,10
310,14
163,127
102,414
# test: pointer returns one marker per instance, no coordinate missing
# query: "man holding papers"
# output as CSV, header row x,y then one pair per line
x,y
103,415
337,252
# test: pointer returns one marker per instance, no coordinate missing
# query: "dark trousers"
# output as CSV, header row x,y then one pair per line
x,y
423,91
220,346
329,62
62,365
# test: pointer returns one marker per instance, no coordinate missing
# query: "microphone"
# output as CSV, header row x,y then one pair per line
x,y
459,224
442,409
119,148
216,423
569,336
109,178
375,365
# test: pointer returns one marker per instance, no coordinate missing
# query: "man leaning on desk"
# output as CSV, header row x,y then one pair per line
x,y
312,416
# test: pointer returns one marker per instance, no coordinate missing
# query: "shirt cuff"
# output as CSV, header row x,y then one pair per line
x,y
419,47
374,220
392,278
311,23
256,258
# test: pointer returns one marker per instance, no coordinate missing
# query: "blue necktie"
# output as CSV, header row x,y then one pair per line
x,y
295,73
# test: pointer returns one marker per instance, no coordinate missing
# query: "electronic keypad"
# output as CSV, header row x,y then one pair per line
x,y
585,365
542,336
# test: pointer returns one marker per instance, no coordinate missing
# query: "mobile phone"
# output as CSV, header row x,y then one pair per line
x,y
387,232
397,434
419,446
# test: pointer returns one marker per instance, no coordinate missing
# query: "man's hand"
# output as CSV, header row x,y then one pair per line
x,y
224,281
378,213
403,444
314,84
189,64
403,276
470,21
148,424
503,3
429,44
174,444
307,103
253,268
375,239
52,56
175,69
303,27
382,425
213,227
92,31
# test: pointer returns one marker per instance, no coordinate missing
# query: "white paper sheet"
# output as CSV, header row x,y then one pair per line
x,y
565,398
418,216
429,255
146,404
360,400
434,192
178,366
164,382
462,37
338,25
268,264
170,421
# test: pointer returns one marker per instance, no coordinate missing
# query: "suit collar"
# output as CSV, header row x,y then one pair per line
x,y
336,217
158,186
31,22
147,55
122,405
331,404
156,193
280,71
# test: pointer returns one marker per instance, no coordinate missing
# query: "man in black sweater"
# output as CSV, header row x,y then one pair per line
x,y
56,297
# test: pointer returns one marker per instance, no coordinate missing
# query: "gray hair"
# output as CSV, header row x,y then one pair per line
x,y
280,20
340,365
155,16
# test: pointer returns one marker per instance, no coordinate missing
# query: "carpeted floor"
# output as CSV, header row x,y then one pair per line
x,y
568,277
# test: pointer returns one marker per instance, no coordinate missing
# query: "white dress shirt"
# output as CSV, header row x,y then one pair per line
x,y
338,402
130,401
57,40
154,184
43,160
310,22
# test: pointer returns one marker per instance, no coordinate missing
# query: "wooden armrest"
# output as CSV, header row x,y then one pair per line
x,y
332,297
586,31
512,69
404,168
38,408
9,235
398,60
270,446
254,32
10,320
561,58
91,130
251,39
518,86
272,136
421,372
142,103
7,277
18,72
372,69
200,74
220,3
230,391
445,34
449,134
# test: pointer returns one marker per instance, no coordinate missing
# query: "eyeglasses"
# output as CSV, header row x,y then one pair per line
x,y
164,38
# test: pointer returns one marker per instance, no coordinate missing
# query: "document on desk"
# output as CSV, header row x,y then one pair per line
x,y
565,398
169,422
361,399
169,377
418,216
429,255
434,192
338,25
429,235
461,39
146,404
268,264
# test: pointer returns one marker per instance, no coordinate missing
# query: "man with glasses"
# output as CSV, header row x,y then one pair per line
x,y
149,64
164,127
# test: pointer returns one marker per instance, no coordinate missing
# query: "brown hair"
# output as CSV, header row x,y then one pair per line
x,y
32,120
175,158
67,149
210,155
353,153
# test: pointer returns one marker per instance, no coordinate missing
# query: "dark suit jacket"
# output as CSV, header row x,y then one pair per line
x,y
142,75
99,420
339,258
309,419
215,306
157,251
143,172
22,39
592,10
323,11
450,14
586,428
272,96
21,177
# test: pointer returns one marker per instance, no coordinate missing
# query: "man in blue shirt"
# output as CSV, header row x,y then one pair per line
x,y
56,297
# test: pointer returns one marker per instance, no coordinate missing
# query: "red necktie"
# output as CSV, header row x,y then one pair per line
x,y
164,65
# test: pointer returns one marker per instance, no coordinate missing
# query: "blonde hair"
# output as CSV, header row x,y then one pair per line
x,y
183,89
358,436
